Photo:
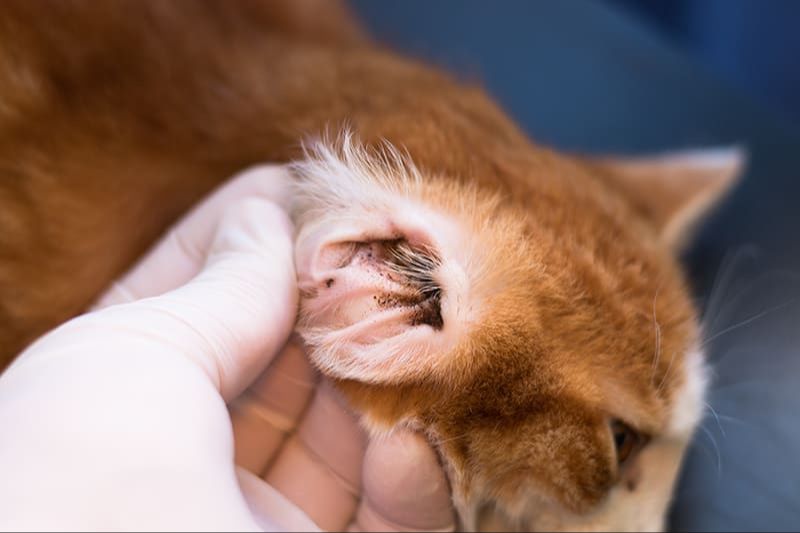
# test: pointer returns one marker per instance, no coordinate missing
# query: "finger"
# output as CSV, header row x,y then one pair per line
x,y
234,316
405,488
270,410
271,510
181,253
319,468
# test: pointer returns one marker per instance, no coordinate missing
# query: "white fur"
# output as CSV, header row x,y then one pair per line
x,y
343,175
687,407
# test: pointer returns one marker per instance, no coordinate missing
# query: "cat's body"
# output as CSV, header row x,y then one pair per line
x,y
558,317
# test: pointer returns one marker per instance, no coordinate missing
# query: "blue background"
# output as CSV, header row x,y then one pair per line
x,y
752,44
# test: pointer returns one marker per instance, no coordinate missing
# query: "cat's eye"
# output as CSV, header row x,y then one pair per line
x,y
627,441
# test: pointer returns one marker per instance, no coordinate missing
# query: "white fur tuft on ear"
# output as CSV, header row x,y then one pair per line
x,y
341,172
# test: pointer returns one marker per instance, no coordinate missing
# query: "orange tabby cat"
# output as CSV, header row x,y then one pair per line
x,y
521,307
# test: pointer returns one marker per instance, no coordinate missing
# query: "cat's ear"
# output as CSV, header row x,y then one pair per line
x,y
675,190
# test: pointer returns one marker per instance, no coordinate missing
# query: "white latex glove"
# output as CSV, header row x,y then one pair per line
x,y
118,418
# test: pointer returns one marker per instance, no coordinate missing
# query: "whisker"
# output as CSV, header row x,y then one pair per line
x,y
761,284
716,417
657,329
724,279
750,382
461,436
734,420
748,321
666,374
716,449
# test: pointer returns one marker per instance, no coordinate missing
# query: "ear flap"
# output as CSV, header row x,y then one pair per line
x,y
675,191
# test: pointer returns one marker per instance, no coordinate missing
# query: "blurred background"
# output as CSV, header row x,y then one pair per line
x,y
752,44
644,76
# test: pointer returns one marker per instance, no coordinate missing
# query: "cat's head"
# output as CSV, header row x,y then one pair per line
x,y
544,341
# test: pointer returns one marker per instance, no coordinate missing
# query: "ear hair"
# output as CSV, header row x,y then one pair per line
x,y
341,172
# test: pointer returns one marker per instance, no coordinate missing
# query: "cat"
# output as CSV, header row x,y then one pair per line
x,y
521,307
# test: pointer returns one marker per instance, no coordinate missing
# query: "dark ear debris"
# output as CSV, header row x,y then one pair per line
x,y
418,265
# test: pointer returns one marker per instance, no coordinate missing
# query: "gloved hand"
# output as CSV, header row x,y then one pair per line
x,y
119,419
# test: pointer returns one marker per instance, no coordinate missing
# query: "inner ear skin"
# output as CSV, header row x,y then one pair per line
x,y
380,275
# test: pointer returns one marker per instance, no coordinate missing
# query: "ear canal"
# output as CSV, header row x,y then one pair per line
x,y
675,191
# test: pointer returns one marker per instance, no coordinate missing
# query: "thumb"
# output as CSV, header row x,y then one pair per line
x,y
235,315
405,488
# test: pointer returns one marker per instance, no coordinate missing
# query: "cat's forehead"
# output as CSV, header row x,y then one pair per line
x,y
600,291
617,350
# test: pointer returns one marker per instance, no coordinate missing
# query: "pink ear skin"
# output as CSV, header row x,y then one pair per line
x,y
675,191
326,248
372,295
346,271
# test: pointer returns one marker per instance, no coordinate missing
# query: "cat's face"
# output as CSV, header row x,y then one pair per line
x,y
546,344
